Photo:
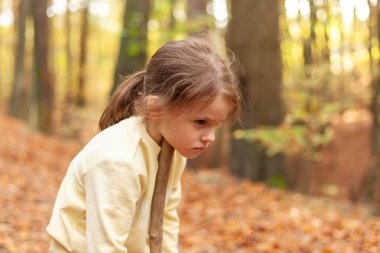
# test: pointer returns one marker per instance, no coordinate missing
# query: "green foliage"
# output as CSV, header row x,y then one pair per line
x,y
278,181
289,139
306,128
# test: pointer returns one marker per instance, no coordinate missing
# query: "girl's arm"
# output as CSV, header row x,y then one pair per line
x,y
112,190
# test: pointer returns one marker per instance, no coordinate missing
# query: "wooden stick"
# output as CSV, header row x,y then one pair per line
x,y
158,199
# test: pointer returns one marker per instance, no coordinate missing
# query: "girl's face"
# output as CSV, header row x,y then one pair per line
x,y
192,131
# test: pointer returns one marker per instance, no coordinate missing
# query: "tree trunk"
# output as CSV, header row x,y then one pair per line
x,y
372,33
253,35
326,24
309,43
70,80
18,97
80,99
43,86
172,22
69,64
375,147
133,44
372,177
196,8
197,17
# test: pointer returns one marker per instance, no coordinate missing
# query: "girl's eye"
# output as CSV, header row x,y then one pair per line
x,y
200,122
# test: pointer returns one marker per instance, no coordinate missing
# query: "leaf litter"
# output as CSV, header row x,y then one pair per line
x,y
218,212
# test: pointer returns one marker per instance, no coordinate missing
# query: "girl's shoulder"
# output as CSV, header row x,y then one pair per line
x,y
120,142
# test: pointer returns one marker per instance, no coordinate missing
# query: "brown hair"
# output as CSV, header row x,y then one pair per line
x,y
183,74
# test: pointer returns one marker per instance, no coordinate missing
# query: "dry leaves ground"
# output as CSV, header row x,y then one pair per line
x,y
218,213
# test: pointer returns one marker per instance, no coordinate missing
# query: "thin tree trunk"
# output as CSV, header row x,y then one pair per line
x,y
68,102
43,85
309,59
197,21
17,101
133,44
196,8
69,58
371,179
80,99
158,199
172,22
372,176
371,31
309,43
326,23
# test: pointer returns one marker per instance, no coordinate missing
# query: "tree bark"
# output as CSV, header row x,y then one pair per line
x,y
253,35
158,199
326,24
43,85
196,8
172,22
18,97
372,177
309,43
198,20
69,64
133,44
80,99
372,27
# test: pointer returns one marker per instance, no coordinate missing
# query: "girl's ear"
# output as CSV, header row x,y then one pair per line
x,y
152,105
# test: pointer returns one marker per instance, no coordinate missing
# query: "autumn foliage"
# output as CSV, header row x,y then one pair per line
x,y
218,212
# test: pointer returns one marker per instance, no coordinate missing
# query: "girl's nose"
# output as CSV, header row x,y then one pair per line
x,y
209,136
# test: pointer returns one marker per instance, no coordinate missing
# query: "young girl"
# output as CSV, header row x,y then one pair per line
x,y
103,204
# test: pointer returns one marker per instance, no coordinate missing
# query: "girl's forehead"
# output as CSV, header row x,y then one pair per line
x,y
218,109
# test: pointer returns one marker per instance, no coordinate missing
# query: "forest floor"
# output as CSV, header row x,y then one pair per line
x,y
218,212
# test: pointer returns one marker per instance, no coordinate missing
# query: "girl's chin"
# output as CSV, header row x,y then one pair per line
x,y
193,154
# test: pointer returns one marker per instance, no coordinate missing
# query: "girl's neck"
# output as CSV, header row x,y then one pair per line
x,y
153,130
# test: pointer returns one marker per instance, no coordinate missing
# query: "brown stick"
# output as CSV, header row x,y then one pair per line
x,y
158,200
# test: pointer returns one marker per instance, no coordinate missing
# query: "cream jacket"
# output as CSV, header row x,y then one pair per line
x,y
103,203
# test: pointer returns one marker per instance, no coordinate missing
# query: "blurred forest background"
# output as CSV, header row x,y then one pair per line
x,y
308,69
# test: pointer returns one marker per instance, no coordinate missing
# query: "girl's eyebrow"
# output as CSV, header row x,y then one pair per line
x,y
211,119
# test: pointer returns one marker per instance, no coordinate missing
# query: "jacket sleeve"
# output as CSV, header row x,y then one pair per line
x,y
171,219
112,190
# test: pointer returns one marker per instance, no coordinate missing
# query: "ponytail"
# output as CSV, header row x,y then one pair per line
x,y
122,104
